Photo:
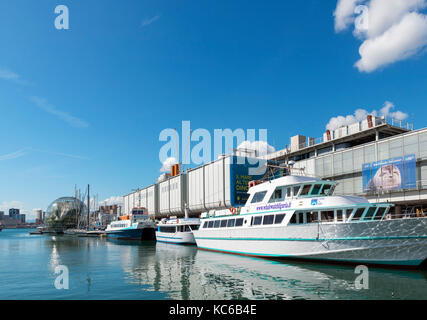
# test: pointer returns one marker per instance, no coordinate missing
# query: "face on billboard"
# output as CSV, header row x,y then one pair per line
x,y
387,177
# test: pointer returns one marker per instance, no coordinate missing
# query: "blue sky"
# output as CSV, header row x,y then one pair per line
x,y
87,105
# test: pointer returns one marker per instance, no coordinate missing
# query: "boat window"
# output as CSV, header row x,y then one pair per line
x,y
194,227
296,190
348,213
205,224
358,214
305,190
279,218
293,219
370,213
268,219
380,213
210,224
325,190
256,220
239,222
216,224
258,197
339,216
327,216
168,229
316,189
300,217
277,195
223,223
312,217
230,223
186,228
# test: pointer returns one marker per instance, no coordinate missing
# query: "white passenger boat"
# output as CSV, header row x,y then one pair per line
x,y
176,230
131,227
298,217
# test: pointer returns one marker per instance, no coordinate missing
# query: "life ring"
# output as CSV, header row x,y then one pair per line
x,y
233,210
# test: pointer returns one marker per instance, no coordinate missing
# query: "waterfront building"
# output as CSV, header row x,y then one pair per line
x,y
1,215
381,159
66,213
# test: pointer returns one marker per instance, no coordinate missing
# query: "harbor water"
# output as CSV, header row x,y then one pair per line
x,y
103,269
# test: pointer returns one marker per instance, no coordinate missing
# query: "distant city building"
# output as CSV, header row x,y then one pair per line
x,y
1,215
21,218
39,216
111,209
14,213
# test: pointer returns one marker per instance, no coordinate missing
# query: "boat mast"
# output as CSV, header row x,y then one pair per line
x,y
88,207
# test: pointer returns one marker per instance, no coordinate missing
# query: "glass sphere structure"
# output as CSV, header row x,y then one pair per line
x,y
66,213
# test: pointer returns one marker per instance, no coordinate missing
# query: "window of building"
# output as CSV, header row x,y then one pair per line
x,y
305,190
258,197
279,218
268,219
230,223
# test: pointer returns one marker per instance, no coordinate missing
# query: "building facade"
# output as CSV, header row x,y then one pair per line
x,y
383,160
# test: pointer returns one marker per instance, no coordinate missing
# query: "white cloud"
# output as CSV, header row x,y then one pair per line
x,y
44,105
361,114
168,163
254,148
395,30
147,22
8,75
112,201
13,155
400,42
344,14
6,205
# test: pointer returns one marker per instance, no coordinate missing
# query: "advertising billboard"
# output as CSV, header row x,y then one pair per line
x,y
391,174
241,176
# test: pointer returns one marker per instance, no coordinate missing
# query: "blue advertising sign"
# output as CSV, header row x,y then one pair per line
x,y
391,174
241,176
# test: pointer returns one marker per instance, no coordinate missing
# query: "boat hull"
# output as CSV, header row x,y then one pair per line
x,y
127,234
391,242
177,238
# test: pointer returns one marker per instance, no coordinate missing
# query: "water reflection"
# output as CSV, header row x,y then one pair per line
x,y
104,269
187,273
